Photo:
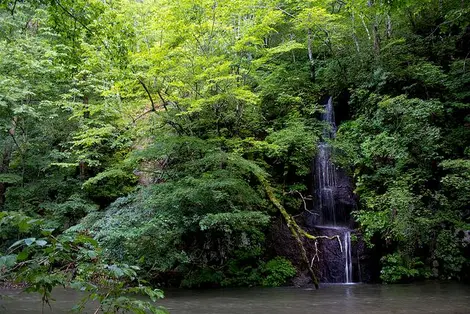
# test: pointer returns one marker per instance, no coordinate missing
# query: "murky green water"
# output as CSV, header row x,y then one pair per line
x,y
345,299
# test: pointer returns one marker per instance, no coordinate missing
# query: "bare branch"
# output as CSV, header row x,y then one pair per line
x,y
148,93
304,202
285,12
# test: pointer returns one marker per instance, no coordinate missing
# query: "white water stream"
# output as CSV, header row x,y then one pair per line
x,y
325,183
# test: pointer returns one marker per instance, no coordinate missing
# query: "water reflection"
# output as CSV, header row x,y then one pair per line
x,y
345,299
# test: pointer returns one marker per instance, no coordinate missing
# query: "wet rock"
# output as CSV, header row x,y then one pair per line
x,y
466,236
302,280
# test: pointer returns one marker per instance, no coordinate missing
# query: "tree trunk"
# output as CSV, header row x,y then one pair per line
x,y
293,227
389,26
4,166
296,231
354,36
376,36
5,163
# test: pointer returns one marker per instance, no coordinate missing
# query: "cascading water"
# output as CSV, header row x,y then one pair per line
x,y
347,257
325,172
329,213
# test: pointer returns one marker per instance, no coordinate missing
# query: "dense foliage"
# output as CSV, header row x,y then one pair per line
x,y
147,124
45,261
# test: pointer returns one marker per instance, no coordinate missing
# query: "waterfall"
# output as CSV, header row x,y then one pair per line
x,y
329,117
325,179
330,214
325,171
347,255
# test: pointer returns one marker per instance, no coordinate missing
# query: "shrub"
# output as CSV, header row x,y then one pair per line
x,y
398,268
277,271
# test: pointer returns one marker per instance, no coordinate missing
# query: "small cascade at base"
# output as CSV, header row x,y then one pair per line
x,y
347,255
335,261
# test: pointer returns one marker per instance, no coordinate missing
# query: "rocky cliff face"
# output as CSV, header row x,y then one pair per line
x,y
326,255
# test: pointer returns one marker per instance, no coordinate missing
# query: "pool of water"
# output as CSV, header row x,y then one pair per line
x,y
346,299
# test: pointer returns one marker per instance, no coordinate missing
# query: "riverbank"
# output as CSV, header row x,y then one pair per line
x,y
10,285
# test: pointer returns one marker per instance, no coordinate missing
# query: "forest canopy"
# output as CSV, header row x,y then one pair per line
x,y
154,126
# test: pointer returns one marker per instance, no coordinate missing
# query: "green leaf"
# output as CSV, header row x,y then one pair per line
x,y
10,178
8,261
17,243
47,232
85,239
91,254
41,242
22,256
29,241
